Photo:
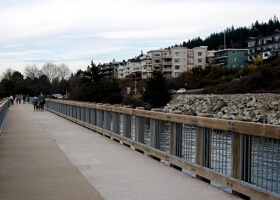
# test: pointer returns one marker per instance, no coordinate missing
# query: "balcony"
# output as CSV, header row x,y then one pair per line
x,y
167,56
167,63
168,69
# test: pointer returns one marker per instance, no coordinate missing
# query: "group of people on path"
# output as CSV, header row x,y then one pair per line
x,y
20,97
38,102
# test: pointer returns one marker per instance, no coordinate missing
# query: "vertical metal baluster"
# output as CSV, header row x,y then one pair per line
x,y
223,140
190,144
226,172
267,163
249,178
253,160
272,164
185,141
213,150
216,151
277,181
258,161
262,162
220,134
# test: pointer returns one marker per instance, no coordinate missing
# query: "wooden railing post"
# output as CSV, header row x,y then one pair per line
x,y
126,124
139,129
240,160
203,149
155,133
176,131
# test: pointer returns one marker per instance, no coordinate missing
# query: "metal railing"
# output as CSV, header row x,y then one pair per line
x,y
242,156
4,107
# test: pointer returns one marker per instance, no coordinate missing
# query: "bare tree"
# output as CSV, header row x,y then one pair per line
x,y
64,71
51,71
32,71
8,74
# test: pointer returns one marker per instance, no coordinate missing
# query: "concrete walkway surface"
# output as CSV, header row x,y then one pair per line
x,y
43,156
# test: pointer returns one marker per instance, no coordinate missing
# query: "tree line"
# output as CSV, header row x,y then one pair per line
x,y
235,37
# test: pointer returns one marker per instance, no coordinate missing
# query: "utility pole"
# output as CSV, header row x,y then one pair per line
x,y
224,39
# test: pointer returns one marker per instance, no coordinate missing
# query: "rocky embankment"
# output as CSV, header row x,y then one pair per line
x,y
259,108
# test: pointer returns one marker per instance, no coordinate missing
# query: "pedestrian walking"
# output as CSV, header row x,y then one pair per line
x,y
42,101
35,102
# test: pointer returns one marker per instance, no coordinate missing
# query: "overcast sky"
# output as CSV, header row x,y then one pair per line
x,y
75,32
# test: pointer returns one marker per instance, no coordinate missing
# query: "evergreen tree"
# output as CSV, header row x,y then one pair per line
x,y
156,93
235,37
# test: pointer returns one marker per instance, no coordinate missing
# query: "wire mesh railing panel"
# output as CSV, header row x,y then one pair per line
x,y
132,127
221,152
164,136
189,143
265,163
147,131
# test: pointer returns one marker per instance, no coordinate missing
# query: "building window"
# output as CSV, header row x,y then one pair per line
x,y
157,61
190,60
177,66
234,59
157,54
233,52
199,60
177,74
199,53
176,53
190,53
176,60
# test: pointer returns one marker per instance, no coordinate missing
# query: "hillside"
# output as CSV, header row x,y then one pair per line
x,y
235,37
220,80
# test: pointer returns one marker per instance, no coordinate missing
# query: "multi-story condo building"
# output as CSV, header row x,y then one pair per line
x,y
231,57
200,54
174,61
118,69
210,57
179,61
155,60
264,47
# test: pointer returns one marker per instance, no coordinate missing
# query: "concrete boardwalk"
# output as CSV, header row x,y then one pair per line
x,y
43,156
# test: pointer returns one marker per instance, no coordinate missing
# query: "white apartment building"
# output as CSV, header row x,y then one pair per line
x,y
200,54
171,62
134,65
179,61
175,61
264,47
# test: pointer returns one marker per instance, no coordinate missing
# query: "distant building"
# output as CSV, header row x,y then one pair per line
x,y
200,54
118,69
231,57
264,47
210,57
174,61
